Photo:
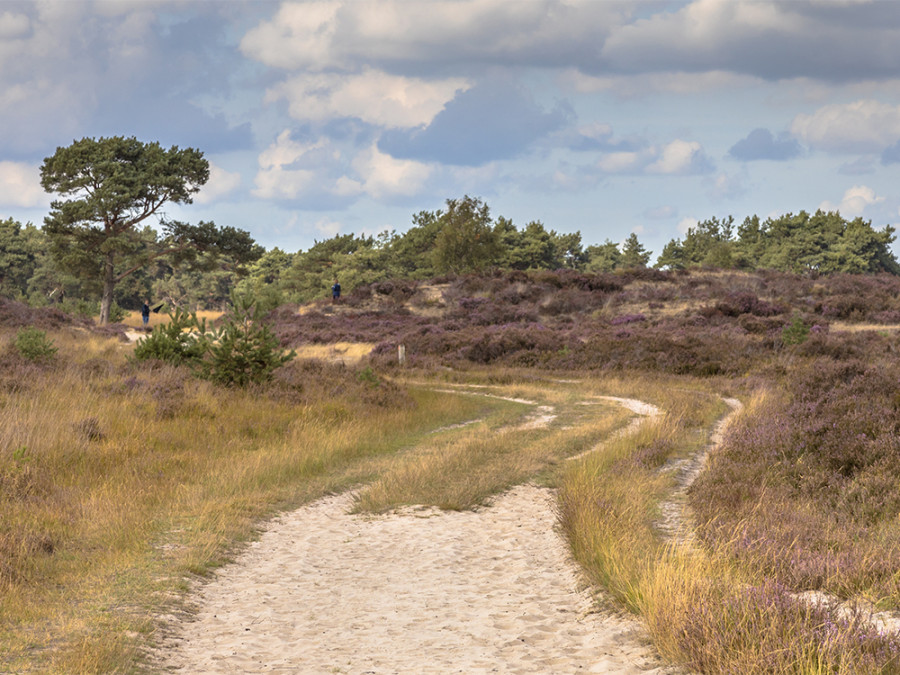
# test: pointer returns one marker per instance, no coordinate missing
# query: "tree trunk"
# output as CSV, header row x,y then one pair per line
x,y
109,284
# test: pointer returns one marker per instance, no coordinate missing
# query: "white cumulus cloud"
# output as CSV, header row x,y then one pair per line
x,y
860,127
13,25
372,96
220,183
299,34
343,34
854,202
677,157
621,162
383,176
20,185
281,173
290,169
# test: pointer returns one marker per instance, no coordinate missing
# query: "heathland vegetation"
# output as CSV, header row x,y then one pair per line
x,y
111,259
129,470
124,475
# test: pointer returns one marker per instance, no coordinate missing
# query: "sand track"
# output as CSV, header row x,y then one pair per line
x,y
419,591
493,590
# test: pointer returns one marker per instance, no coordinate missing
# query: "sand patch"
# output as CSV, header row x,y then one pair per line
x,y
492,590
348,353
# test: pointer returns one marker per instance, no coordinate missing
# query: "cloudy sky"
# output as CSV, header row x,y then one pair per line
x,y
340,116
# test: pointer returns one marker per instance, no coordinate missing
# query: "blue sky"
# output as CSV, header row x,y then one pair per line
x,y
338,116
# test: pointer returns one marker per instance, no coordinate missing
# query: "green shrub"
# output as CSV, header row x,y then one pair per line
x,y
241,352
33,344
795,333
180,341
368,376
244,350
116,313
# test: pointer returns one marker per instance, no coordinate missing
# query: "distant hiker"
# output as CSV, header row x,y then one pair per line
x,y
145,312
336,291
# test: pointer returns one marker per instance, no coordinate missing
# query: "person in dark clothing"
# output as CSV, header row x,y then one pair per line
x,y
335,291
145,312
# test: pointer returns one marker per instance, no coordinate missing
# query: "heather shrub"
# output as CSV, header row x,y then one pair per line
x,y
495,345
314,381
736,304
399,290
602,283
17,315
358,296
890,316
16,373
853,307
805,487
569,301
760,325
676,347
166,387
626,318
645,274
715,627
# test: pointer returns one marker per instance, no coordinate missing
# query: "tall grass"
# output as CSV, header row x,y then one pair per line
x,y
117,482
702,608
467,468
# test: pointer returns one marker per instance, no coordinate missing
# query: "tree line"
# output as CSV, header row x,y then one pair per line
x,y
98,250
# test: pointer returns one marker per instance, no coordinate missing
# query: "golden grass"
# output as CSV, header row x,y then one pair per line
x,y
465,469
134,319
348,353
609,504
861,327
114,487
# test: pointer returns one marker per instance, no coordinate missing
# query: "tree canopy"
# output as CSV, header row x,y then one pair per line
x,y
108,188
104,223
821,242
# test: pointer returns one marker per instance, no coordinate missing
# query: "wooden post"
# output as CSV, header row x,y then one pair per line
x,y
401,354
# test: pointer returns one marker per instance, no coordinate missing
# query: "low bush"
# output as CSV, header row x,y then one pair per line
x,y
736,304
178,341
242,351
805,486
34,345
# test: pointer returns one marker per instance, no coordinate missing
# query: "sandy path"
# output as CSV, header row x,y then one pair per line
x,y
677,523
420,591
493,590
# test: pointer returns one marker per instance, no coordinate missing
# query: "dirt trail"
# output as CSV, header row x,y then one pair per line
x,y
676,523
493,590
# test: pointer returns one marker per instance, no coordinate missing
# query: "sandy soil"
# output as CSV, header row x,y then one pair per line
x,y
419,591
493,590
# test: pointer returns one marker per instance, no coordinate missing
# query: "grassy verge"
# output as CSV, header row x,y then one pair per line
x,y
704,607
609,499
120,483
116,483
464,469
